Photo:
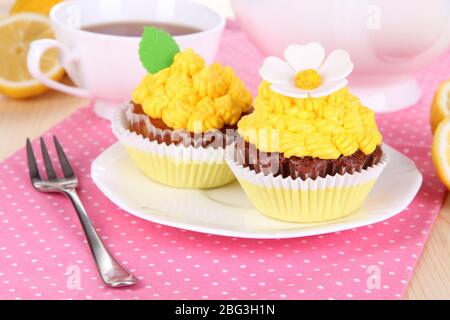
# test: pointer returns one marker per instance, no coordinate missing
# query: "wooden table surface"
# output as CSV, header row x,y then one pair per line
x,y
30,118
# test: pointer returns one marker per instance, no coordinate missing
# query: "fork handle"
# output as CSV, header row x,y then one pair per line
x,y
113,274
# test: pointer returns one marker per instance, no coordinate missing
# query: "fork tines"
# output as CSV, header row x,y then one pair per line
x,y
51,174
65,165
32,165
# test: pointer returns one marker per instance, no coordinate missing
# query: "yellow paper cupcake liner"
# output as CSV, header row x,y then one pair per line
x,y
181,174
306,201
173,165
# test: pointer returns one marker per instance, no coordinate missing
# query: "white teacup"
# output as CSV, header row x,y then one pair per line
x,y
106,68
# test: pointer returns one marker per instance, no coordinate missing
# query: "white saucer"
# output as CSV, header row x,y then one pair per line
x,y
227,211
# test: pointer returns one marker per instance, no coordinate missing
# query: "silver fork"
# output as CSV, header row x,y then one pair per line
x,y
113,274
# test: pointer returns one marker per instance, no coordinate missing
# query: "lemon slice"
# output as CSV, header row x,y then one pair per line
x,y
441,105
37,6
17,32
441,151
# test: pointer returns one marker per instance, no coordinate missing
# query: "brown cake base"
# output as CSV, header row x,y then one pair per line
x,y
167,135
306,167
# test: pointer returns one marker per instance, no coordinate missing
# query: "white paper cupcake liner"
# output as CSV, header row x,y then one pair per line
x,y
178,153
309,200
175,165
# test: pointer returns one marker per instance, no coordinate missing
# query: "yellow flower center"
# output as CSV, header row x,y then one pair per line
x,y
308,79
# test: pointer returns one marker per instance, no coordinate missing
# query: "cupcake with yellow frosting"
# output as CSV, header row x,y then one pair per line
x,y
310,151
182,115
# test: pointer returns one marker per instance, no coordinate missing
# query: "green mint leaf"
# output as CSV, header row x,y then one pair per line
x,y
157,49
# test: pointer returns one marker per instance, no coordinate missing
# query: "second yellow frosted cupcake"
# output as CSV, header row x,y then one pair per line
x,y
310,151
175,128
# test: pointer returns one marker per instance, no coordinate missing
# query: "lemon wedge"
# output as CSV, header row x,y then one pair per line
x,y
36,6
441,151
17,32
440,107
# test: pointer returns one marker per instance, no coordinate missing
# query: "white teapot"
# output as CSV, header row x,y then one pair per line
x,y
388,40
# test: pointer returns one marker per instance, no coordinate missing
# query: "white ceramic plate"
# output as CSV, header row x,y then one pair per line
x,y
227,211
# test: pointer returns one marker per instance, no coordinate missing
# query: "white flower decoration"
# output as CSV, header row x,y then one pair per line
x,y
306,72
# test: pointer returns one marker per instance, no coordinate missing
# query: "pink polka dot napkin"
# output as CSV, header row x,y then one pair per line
x,y
44,255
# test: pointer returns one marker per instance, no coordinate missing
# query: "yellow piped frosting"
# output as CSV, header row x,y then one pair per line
x,y
325,127
189,95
